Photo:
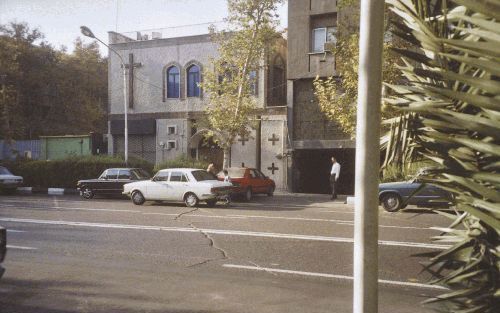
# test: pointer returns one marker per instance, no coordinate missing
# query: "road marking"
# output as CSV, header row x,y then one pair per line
x,y
324,275
88,209
238,216
196,215
21,248
330,211
225,232
75,209
15,231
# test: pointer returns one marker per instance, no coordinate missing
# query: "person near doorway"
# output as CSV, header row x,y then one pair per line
x,y
334,177
211,170
227,198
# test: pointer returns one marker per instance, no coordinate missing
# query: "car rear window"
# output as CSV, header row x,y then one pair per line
x,y
4,171
141,174
202,175
236,172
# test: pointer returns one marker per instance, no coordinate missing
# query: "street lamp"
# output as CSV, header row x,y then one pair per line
x,y
88,33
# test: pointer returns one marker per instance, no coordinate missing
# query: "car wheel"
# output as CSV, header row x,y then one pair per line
x,y
191,200
87,193
270,191
391,202
138,198
211,203
248,194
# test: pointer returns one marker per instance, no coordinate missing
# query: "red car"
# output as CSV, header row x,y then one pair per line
x,y
249,181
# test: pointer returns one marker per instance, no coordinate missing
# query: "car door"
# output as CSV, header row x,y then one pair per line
x,y
124,177
157,188
110,180
178,185
257,181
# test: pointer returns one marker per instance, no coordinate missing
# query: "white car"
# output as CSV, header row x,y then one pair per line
x,y
188,185
8,181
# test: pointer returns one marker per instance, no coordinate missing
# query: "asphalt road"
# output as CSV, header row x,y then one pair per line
x,y
287,253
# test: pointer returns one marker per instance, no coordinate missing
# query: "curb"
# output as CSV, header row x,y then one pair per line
x,y
49,191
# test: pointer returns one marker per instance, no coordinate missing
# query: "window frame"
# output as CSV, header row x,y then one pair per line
x,y
193,89
178,76
326,29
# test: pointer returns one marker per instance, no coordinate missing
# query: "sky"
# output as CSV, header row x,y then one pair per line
x,y
60,20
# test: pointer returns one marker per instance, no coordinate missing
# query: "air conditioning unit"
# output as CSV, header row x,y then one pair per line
x,y
155,35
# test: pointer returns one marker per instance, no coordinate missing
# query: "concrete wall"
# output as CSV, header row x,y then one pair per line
x,y
163,137
272,151
303,16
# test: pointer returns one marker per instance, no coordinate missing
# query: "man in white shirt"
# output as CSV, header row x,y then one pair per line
x,y
334,177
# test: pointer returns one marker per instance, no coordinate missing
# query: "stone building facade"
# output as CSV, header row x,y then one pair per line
x,y
312,27
164,107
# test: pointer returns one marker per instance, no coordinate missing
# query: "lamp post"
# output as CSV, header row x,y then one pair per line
x,y
87,32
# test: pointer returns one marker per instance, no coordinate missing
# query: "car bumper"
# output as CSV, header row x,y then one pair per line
x,y
10,185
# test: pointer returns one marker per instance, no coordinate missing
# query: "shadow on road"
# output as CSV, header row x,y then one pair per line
x,y
55,296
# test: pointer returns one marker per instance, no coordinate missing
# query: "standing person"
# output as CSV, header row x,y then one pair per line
x,y
334,177
227,198
211,169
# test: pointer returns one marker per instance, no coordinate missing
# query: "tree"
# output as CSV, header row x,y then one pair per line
x,y
229,83
451,115
337,96
49,92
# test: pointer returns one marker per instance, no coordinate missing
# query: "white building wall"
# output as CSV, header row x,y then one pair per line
x,y
246,153
272,154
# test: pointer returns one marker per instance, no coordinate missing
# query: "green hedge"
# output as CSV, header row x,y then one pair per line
x,y
66,172
393,173
182,162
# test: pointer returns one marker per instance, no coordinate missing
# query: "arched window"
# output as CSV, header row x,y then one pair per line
x,y
278,83
173,82
193,79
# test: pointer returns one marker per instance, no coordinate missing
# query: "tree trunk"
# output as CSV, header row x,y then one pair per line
x,y
227,158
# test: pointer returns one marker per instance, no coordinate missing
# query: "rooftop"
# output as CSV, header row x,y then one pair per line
x,y
165,33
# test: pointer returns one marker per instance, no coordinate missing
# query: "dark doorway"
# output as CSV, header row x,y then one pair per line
x,y
311,170
209,151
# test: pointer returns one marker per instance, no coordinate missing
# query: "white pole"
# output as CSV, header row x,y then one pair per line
x,y
365,298
125,110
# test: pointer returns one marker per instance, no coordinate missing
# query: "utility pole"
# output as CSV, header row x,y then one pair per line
x,y
365,298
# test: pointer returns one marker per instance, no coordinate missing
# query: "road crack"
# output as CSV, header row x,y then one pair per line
x,y
211,244
184,213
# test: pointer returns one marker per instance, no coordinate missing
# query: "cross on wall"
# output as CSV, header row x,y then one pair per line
x,y
274,139
130,66
272,168
243,139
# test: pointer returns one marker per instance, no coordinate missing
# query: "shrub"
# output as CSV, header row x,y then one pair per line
x,y
65,173
393,172
182,162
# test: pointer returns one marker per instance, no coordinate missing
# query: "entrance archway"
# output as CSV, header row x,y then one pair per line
x,y
206,149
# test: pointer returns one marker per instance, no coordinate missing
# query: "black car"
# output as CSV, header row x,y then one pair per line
x,y
111,182
3,248
396,195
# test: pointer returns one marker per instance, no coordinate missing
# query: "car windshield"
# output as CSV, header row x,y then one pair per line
x,y
201,175
236,172
141,174
4,171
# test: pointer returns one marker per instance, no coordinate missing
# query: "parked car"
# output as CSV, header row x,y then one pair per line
x,y
186,185
8,181
3,248
396,195
110,182
249,181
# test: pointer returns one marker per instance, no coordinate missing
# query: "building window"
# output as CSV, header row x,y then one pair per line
x,y
323,35
173,82
171,144
253,83
193,80
171,130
